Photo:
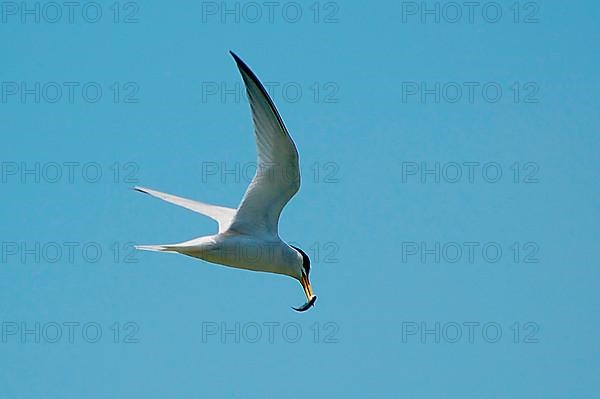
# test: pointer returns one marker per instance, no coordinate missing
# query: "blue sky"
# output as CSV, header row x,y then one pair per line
x,y
449,199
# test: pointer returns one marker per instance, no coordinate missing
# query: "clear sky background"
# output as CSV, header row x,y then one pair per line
x,y
397,301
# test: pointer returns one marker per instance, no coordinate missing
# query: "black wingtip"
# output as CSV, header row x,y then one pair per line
x,y
247,73
138,190
244,67
237,59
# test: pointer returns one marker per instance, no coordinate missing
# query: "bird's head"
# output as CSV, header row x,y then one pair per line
x,y
304,272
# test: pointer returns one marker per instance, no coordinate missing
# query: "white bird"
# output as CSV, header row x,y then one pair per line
x,y
248,236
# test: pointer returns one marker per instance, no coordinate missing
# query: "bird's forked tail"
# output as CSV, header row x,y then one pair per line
x,y
156,248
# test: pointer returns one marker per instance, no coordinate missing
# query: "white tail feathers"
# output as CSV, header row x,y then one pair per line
x,y
221,214
155,248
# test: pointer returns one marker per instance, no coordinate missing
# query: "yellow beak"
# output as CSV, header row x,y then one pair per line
x,y
311,298
307,288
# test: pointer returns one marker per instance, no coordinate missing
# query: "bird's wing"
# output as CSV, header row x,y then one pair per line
x,y
221,214
277,176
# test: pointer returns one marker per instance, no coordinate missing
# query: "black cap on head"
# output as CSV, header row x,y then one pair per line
x,y
305,260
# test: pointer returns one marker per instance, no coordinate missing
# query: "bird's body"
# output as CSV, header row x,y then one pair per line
x,y
248,236
262,254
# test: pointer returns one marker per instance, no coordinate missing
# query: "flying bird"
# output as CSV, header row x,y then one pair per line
x,y
248,236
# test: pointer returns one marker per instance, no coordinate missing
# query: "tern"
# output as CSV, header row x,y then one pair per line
x,y
248,236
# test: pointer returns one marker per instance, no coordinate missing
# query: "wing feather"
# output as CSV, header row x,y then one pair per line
x,y
277,176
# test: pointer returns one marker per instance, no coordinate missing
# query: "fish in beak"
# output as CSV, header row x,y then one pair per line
x,y
310,297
